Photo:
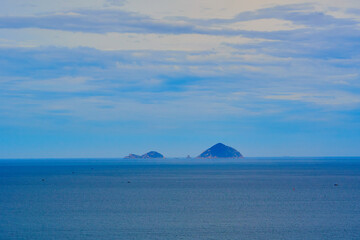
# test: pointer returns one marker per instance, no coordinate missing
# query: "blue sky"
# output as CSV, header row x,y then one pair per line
x,y
105,78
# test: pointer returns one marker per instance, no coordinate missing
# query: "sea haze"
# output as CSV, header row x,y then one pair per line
x,y
297,198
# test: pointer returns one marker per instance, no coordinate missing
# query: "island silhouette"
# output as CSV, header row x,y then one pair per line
x,y
219,150
151,154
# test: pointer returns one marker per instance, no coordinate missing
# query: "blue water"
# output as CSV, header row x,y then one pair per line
x,y
180,199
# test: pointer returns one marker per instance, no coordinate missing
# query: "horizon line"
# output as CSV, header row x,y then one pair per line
x,y
118,158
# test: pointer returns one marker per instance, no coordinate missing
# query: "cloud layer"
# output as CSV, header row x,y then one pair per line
x,y
109,20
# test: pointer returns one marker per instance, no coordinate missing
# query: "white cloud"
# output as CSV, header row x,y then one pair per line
x,y
206,9
329,98
117,3
266,25
302,58
116,41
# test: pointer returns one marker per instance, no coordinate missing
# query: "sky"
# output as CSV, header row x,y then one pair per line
x,y
105,78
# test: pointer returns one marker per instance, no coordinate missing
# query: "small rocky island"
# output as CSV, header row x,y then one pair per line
x,y
151,154
220,151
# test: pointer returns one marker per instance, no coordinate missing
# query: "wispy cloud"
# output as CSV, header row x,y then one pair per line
x,y
303,14
109,20
132,85
332,98
300,64
115,3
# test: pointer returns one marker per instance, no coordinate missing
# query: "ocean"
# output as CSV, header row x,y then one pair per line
x,y
251,198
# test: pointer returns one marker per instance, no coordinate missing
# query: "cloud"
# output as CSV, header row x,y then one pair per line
x,y
332,98
115,3
97,21
121,21
179,68
89,84
303,14
62,84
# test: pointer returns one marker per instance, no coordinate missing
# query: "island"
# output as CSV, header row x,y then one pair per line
x,y
220,151
151,154
133,156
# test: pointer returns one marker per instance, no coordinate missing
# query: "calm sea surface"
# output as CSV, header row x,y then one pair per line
x,y
299,198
